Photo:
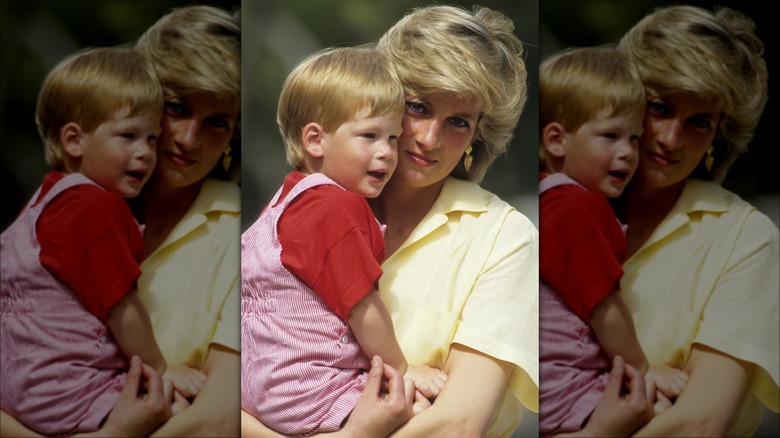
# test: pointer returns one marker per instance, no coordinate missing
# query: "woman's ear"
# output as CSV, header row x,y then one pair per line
x,y
553,136
312,138
71,136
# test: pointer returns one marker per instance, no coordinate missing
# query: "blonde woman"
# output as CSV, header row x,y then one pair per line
x,y
461,275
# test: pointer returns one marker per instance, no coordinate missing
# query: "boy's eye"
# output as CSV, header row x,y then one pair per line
x,y
610,135
127,135
369,135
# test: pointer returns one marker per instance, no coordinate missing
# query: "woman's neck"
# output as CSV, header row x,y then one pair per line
x,y
401,208
161,208
645,208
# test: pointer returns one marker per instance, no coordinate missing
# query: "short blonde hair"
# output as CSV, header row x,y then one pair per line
x,y
88,88
716,56
197,49
473,55
330,88
578,83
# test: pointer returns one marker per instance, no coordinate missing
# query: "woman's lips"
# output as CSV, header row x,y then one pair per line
x,y
420,160
178,160
660,160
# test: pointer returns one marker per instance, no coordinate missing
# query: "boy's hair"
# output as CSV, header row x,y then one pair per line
x,y
197,49
474,56
330,88
716,56
578,83
88,88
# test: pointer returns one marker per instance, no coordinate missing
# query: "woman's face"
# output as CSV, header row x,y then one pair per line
x,y
678,129
196,129
435,135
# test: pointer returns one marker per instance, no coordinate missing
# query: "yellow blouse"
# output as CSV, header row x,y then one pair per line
x,y
190,284
468,274
709,275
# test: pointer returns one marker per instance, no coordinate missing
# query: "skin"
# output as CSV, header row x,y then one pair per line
x,y
360,154
119,154
602,154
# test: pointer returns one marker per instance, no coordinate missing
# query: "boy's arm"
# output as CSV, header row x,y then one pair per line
x,y
614,328
132,329
373,328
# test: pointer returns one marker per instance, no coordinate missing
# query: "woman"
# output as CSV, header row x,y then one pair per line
x,y
461,268
702,277
190,275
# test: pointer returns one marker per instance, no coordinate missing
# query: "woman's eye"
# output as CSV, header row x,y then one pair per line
x,y
700,123
460,123
415,107
218,123
657,107
175,107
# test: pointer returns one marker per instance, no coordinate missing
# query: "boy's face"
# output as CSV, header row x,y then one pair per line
x,y
120,154
602,154
361,154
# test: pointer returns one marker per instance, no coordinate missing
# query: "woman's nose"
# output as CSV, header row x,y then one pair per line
x,y
429,134
669,134
187,134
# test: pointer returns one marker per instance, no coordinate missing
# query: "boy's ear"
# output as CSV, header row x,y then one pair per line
x,y
553,136
312,138
71,136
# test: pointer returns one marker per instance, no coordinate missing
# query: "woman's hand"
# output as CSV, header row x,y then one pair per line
x,y
137,413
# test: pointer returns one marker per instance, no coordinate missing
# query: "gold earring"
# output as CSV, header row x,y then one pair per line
x,y
226,159
709,158
468,159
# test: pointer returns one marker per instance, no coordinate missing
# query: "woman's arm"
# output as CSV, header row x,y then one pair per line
x,y
717,385
215,411
475,386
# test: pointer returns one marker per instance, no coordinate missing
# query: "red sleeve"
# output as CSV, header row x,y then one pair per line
x,y
582,247
91,243
332,242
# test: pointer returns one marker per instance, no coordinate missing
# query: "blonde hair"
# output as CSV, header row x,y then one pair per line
x,y
716,56
473,55
578,83
197,49
88,88
330,87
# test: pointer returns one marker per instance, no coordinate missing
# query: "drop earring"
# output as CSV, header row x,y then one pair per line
x,y
226,159
468,159
709,158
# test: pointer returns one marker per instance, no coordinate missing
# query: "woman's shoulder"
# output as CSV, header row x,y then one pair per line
x,y
731,208
471,198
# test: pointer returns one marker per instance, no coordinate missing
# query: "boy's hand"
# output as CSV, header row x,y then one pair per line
x,y
670,381
428,381
186,380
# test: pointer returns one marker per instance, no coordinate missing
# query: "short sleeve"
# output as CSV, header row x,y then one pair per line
x,y
91,242
582,247
331,241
